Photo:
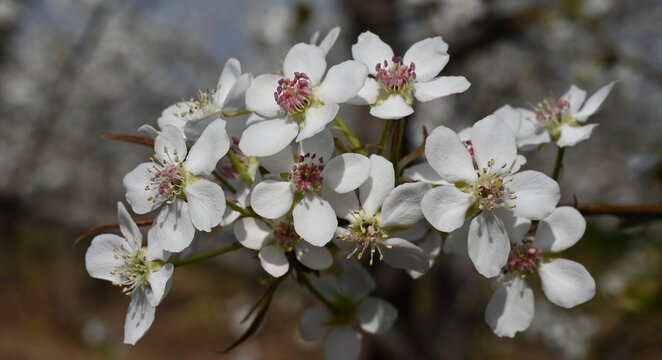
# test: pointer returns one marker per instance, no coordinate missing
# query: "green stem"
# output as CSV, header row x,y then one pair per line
x,y
240,167
238,208
236,114
313,290
382,140
558,166
208,255
348,134
224,182
396,144
340,146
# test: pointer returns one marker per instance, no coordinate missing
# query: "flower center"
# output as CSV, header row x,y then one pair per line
x,y
285,236
523,258
197,108
488,188
553,114
306,174
397,78
169,176
294,96
366,232
134,268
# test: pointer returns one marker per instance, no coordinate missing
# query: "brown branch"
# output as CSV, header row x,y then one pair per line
x,y
136,139
106,227
632,211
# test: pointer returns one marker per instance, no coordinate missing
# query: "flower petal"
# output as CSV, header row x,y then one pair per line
x,y
320,144
173,229
342,82
456,242
510,309
273,260
394,107
429,56
172,115
531,133
329,40
377,316
272,199
314,257
493,141
159,282
138,191
100,261
314,220
371,50
448,156
355,281
575,96
235,100
402,254
511,117
260,95
440,87
379,184
139,317
431,246
148,130
307,59
425,173
488,244
346,172
280,162
210,147
343,343
206,204
170,144
537,194
342,204
516,227
252,233
560,230
231,72
268,137
316,120
566,283
593,104
367,95
445,207
312,324
402,206
128,227
571,135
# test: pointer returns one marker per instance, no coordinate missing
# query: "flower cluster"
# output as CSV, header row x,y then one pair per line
x,y
256,155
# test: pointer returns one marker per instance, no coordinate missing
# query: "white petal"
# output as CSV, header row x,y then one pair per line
x,y
456,242
377,316
312,324
402,254
307,59
342,82
511,117
268,137
537,194
100,260
210,147
231,72
448,156
593,103
510,309
371,50
425,173
170,144
321,145
172,115
355,281
378,185
488,244
252,233
342,204
273,260
260,95
343,343
520,161
314,257
531,133
516,227
429,56
139,317
327,43
566,283
159,282
272,199
173,229
206,204
367,95
316,120
445,207
137,194
346,172
560,230
394,107
128,227
431,246
493,141
571,135
314,220
148,130
402,207
280,162
193,129
440,87
235,101
575,96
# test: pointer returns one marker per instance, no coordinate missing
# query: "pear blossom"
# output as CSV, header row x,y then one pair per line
x,y
350,305
565,283
396,81
274,241
176,178
141,272
562,121
306,174
378,217
298,104
329,40
484,178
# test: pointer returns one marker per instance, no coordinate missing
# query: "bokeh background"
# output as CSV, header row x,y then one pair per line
x,y
71,70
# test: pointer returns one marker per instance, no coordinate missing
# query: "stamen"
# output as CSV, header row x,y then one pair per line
x,y
294,95
306,174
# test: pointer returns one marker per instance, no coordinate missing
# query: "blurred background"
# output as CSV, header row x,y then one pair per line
x,y
71,70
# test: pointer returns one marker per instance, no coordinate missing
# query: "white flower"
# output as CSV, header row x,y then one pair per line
x,y
561,121
485,178
176,178
298,104
275,241
140,271
329,40
378,217
565,283
397,80
309,173
374,315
